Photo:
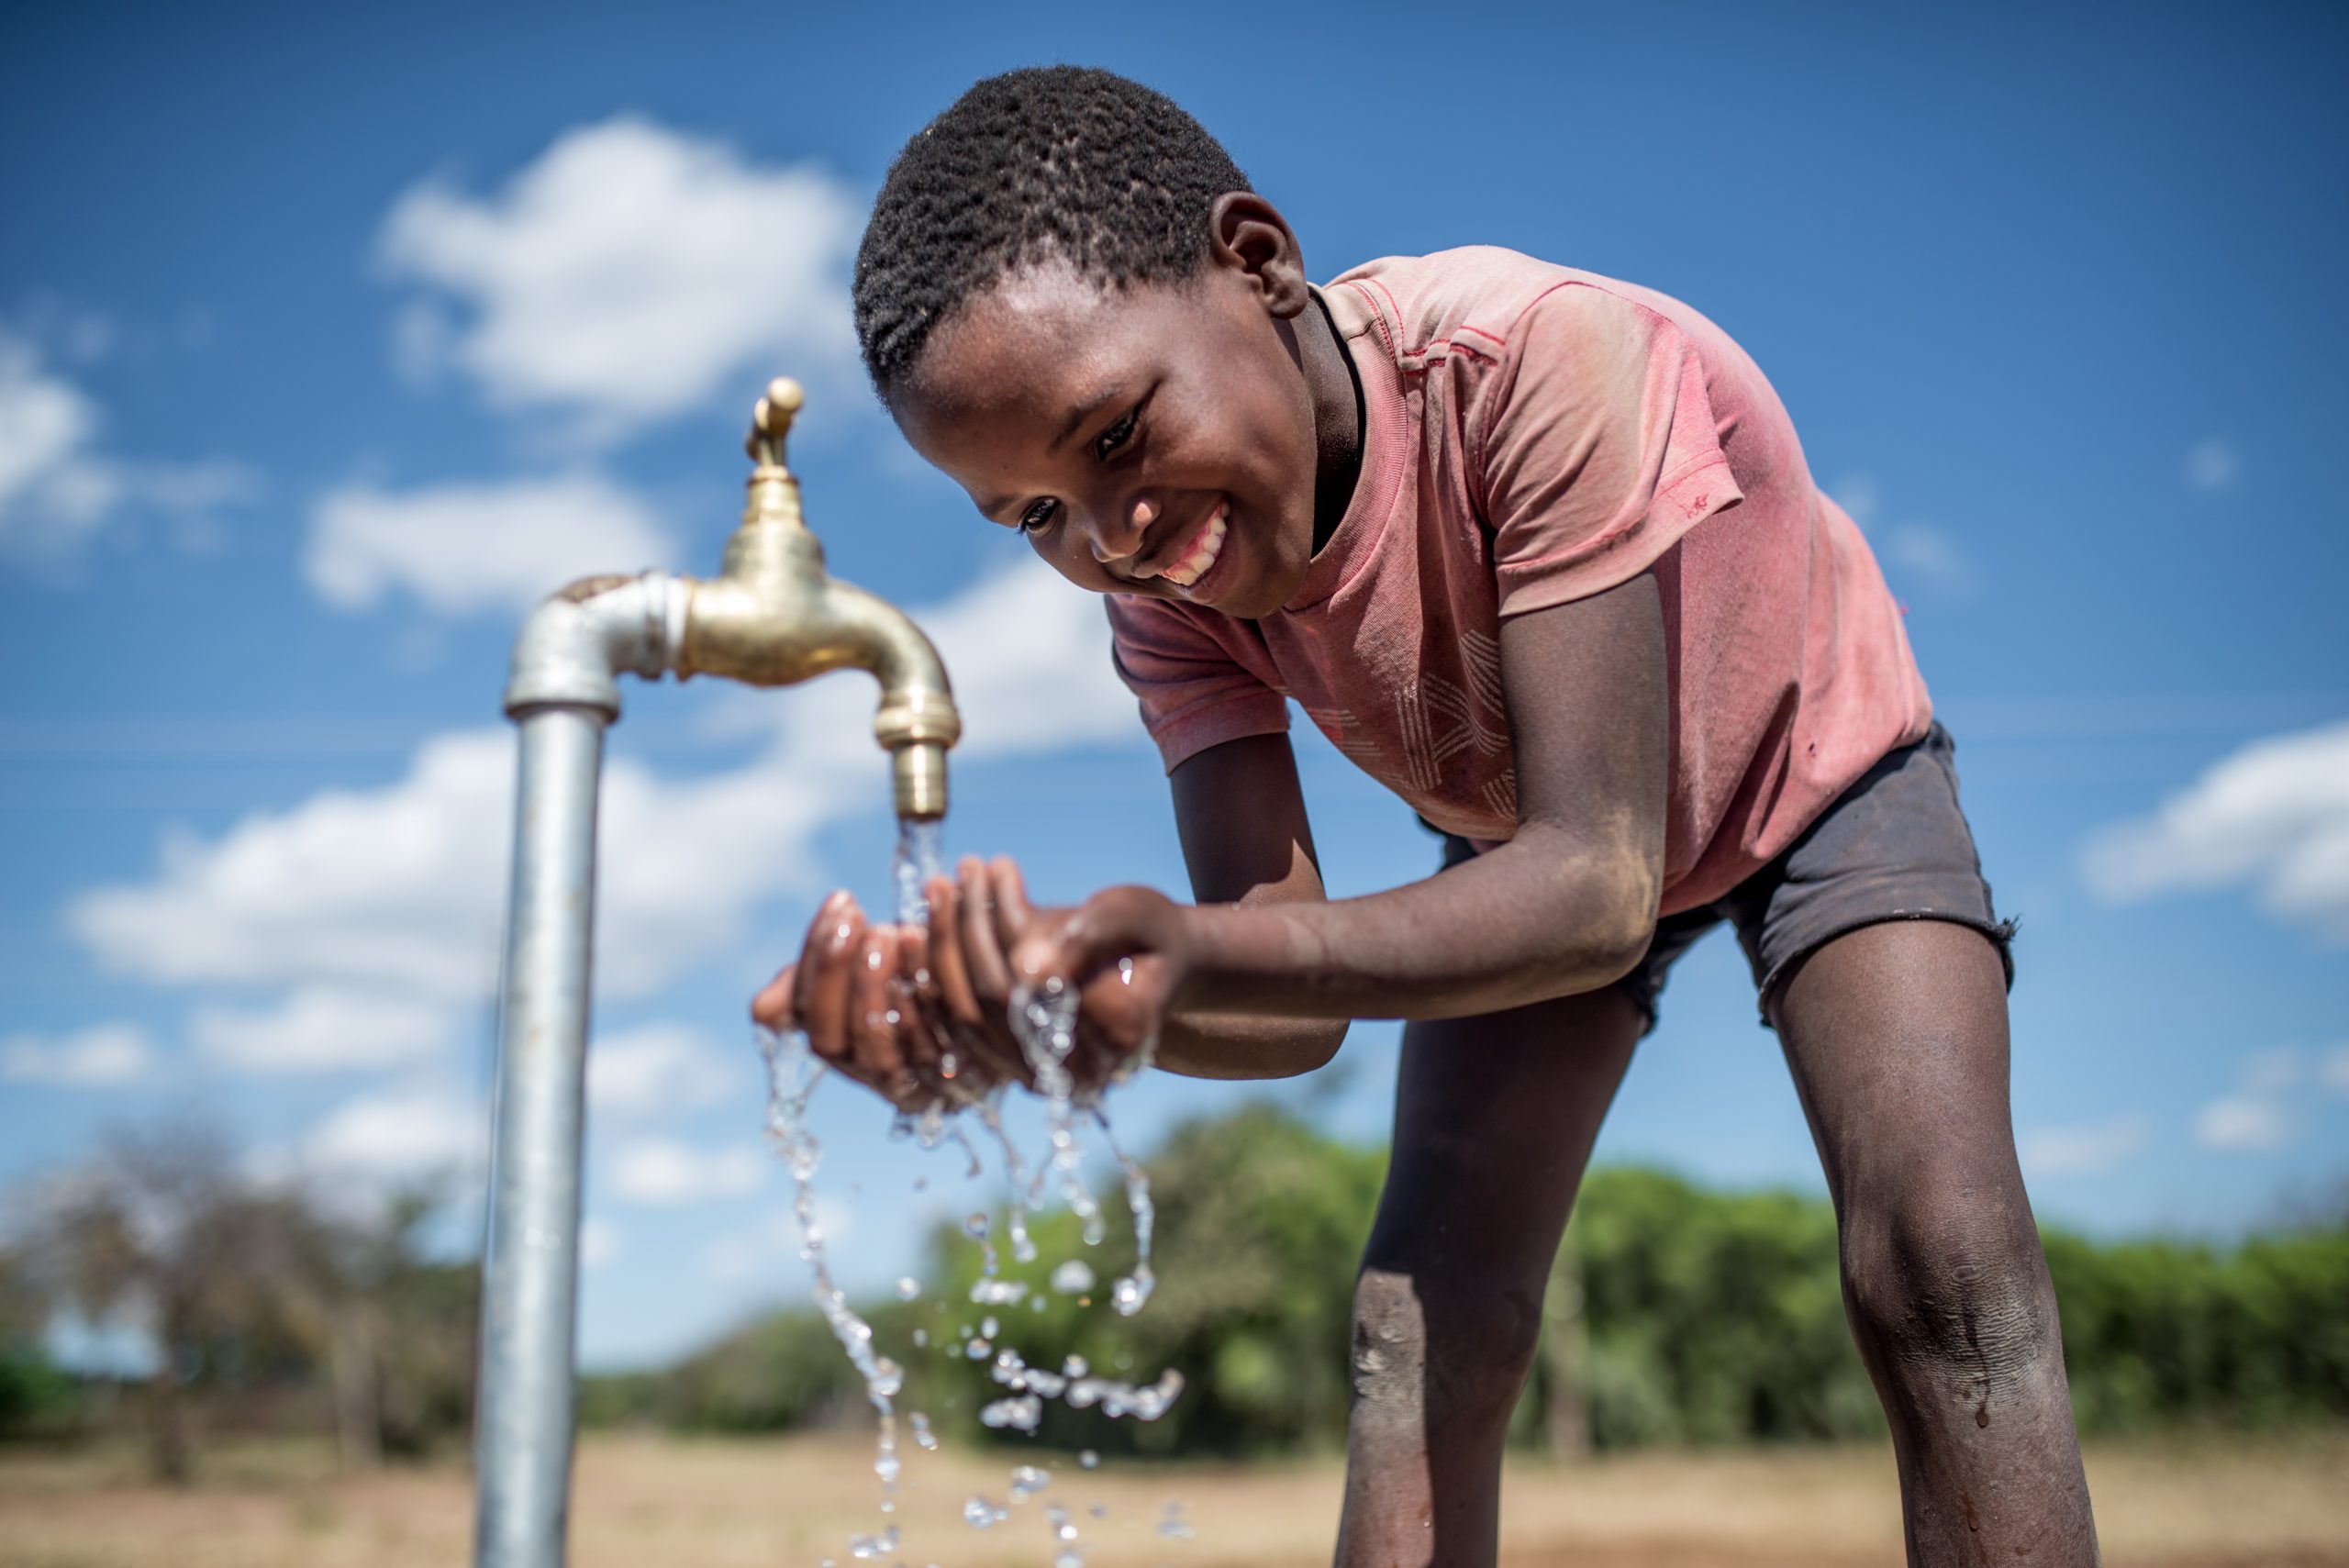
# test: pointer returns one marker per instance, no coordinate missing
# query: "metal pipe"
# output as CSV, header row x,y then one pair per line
x,y
523,1432
771,617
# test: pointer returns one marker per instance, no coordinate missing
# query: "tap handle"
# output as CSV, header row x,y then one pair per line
x,y
771,421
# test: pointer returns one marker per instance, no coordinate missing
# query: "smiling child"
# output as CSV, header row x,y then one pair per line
x,y
1540,551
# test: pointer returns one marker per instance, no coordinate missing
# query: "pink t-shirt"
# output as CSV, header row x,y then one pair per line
x,y
1535,435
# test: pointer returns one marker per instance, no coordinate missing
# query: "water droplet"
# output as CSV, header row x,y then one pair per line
x,y
1088,1458
1072,1278
1026,1481
908,1288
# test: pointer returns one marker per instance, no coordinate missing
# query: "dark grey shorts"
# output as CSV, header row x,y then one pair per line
x,y
1895,845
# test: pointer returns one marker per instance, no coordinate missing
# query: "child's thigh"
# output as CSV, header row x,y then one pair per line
x,y
1897,1036
1495,1117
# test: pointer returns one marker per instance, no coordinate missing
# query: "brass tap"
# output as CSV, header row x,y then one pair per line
x,y
773,618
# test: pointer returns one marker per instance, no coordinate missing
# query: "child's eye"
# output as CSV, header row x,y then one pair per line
x,y
1037,515
1115,435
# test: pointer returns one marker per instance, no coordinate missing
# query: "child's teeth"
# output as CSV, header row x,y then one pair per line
x,y
1194,566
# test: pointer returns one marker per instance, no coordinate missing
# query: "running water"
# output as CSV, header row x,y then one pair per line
x,y
792,1074
921,855
1043,1019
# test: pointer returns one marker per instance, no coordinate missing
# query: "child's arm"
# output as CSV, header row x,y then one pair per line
x,y
1568,905
1259,987
1248,844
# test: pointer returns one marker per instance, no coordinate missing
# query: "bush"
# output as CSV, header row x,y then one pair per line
x,y
1706,1317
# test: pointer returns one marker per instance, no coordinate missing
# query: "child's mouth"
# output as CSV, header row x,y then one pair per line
x,y
1199,554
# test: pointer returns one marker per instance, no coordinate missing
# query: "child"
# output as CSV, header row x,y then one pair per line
x,y
1539,550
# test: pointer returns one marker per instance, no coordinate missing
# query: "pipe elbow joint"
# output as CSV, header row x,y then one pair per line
x,y
577,640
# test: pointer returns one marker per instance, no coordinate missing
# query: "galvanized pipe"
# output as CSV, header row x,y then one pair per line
x,y
772,618
523,1431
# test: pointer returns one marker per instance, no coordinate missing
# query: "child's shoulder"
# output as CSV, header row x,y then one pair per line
x,y
1472,299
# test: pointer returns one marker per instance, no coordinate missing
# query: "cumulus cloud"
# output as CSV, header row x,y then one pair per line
x,y
2262,1112
463,549
58,488
2274,816
626,276
599,1242
402,887
2083,1151
1930,556
2243,1122
659,1071
2212,464
325,1029
2333,1071
99,1057
404,1133
1916,555
663,1173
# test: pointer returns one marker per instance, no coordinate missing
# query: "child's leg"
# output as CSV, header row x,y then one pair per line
x,y
1494,1120
1896,1034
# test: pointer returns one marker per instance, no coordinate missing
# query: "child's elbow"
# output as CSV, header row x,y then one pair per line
x,y
1618,924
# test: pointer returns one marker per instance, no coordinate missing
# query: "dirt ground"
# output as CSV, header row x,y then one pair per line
x,y
649,1502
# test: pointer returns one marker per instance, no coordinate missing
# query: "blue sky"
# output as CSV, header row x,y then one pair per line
x,y
331,338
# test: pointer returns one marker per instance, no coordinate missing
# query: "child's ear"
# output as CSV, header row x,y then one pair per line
x,y
1248,234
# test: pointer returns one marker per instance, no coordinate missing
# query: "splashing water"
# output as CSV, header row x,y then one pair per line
x,y
791,1075
1131,1293
1043,1020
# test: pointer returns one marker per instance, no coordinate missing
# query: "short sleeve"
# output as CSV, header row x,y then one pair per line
x,y
1598,449
1195,691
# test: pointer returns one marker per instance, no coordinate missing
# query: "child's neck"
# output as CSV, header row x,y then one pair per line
x,y
1338,418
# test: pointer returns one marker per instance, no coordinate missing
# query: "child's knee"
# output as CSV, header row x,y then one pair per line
x,y
1438,1352
1949,1294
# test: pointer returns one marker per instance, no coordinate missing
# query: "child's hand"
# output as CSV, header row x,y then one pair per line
x,y
1128,951
922,1015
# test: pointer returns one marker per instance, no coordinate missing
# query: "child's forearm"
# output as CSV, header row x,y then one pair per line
x,y
1233,1045
1542,916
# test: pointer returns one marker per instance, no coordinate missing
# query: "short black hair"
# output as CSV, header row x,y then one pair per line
x,y
1056,161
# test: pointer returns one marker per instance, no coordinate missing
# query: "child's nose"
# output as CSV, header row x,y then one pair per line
x,y
1122,527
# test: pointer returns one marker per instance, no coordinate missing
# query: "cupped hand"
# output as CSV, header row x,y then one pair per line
x,y
921,1014
1128,951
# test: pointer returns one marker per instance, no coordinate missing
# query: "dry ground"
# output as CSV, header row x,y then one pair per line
x,y
645,1502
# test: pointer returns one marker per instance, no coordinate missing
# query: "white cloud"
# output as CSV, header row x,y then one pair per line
x,y
2332,1069
402,1133
662,1172
1859,497
599,1242
463,549
98,1057
626,275
1930,556
2083,1151
2244,1122
58,489
325,1029
1915,554
2212,464
657,1071
2276,815
402,887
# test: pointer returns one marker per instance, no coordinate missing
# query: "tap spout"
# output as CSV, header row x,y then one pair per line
x,y
774,616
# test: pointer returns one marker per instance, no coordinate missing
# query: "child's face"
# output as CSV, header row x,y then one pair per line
x,y
1157,439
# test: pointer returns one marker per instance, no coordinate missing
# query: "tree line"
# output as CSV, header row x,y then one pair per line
x,y
257,1305
1676,1315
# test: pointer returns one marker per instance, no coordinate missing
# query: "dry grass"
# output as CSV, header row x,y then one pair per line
x,y
645,1502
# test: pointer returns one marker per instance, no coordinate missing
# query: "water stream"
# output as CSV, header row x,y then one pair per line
x,y
1043,1019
